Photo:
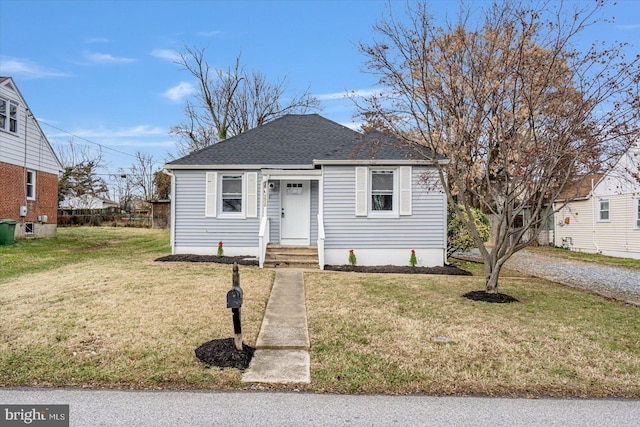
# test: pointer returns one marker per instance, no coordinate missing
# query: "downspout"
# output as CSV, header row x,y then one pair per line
x,y
593,219
172,226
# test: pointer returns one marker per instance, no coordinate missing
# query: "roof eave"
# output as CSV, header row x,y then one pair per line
x,y
170,166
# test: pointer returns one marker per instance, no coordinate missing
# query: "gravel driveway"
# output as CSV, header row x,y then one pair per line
x,y
615,282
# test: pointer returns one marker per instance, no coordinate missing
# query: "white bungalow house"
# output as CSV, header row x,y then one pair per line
x,y
605,217
304,183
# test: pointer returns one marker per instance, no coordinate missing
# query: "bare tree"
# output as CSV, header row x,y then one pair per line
x,y
231,101
122,183
142,171
518,110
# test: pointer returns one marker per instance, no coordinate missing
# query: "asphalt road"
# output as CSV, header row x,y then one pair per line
x,y
175,408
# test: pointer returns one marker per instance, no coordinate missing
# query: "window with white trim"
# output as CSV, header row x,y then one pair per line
x,y
383,191
231,194
8,116
31,185
638,212
603,211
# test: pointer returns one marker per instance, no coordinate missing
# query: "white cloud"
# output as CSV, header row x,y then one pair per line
x,y
26,68
166,54
106,58
131,132
360,93
179,92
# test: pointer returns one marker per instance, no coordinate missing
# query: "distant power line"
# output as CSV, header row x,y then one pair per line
x,y
95,143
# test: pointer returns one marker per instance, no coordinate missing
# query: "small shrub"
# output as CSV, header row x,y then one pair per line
x,y
459,238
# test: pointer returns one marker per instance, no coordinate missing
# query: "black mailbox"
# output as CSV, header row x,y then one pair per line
x,y
234,298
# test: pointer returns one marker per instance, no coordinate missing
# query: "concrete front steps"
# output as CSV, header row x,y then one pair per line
x,y
291,257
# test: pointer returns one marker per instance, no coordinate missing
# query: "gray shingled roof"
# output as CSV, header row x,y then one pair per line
x,y
299,140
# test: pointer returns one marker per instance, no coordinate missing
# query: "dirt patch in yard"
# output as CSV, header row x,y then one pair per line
x,y
223,354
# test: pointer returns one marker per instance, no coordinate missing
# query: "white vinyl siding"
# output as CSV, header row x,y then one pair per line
x,y
195,229
586,233
17,148
424,228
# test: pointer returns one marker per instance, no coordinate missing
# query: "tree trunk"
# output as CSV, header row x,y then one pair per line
x,y
492,273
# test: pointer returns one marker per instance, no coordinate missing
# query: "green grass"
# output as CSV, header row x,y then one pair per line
x,y
76,244
376,334
91,308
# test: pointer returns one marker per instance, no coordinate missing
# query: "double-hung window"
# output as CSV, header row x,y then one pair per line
x,y
382,189
8,116
603,211
31,185
232,194
383,192
638,212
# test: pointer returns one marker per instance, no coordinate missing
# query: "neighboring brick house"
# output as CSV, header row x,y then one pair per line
x,y
28,167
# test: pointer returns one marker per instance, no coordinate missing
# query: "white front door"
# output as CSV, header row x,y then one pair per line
x,y
295,215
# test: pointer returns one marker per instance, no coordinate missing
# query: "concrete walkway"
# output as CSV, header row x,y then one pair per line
x,y
282,347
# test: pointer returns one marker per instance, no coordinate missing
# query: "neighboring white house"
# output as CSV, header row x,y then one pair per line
x,y
605,218
303,180
87,201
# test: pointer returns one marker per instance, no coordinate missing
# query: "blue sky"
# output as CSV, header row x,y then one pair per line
x,y
104,71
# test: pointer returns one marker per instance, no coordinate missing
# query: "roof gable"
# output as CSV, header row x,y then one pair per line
x,y
9,88
299,140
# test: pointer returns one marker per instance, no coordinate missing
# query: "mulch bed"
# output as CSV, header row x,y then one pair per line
x,y
449,270
487,297
241,260
223,354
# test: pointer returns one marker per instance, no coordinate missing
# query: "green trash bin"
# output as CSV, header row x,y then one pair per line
x,y
7,231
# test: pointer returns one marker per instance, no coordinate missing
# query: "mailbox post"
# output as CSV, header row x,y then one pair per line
x,y
234,302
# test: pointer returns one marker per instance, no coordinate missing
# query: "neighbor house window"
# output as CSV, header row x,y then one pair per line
x,y
31,185
232,193
382,189
3,113
8,116
638,213
13,117
604,213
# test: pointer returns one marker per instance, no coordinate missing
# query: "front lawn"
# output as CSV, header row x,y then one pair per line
x,y
92,308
